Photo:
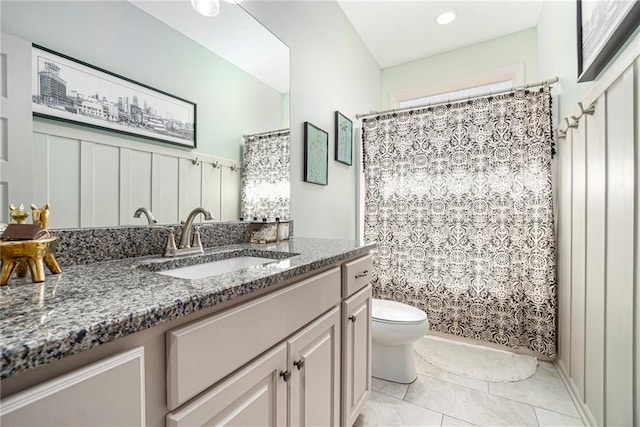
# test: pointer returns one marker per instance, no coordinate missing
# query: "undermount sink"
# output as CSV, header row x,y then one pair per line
x,y
210,264
208,269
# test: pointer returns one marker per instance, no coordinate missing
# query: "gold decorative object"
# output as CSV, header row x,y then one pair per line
x,y
17,255
40,216
18,215
20,255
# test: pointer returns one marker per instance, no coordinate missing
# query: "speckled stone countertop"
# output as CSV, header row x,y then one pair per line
x,y
93,304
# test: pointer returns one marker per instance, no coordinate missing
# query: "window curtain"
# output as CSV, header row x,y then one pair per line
x,y
458,198
265,179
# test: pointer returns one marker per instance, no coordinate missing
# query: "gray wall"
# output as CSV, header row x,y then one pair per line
x,y
120,38
331,69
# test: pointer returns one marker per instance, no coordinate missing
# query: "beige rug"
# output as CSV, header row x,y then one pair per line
x,y
475,361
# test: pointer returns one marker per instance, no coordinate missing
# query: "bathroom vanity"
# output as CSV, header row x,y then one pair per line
x,y
115,343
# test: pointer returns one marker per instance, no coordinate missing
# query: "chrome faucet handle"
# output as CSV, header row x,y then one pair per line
x,y
170,248
196,243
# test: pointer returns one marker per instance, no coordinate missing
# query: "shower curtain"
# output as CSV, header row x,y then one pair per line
x,y
458,198
265,177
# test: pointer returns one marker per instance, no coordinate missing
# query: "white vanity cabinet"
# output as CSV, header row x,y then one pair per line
x,y
304,378
109,392
356,337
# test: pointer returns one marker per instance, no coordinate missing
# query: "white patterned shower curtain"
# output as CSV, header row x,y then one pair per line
x,y
265,182
458,198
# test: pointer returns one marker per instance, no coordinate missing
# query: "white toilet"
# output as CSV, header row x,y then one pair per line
x,y
394,328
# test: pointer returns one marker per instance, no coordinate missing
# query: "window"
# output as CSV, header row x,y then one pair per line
x,y
457,94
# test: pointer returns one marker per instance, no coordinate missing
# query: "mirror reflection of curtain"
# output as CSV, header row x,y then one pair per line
x,y
458,198
265,185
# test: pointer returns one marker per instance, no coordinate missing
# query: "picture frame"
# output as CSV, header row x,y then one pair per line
x,y
316,155
602,29
69,90
344,139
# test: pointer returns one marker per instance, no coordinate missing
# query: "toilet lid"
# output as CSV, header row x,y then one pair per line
x,y
396,312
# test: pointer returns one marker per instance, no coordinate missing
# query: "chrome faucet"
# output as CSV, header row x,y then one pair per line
x,y
185,236
150,218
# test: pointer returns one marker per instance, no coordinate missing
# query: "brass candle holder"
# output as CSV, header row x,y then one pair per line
x,y
20,255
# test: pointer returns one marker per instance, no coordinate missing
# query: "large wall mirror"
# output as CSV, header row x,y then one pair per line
x,y
233,68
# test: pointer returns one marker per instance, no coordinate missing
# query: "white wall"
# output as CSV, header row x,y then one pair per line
x,y
557,52
598,223
331,69
472,65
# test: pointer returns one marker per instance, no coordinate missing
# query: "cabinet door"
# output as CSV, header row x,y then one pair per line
x,y
356,353
314,361
106,393
254,396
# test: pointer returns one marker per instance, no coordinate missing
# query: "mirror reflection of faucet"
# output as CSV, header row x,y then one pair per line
x,y
150,218
187,245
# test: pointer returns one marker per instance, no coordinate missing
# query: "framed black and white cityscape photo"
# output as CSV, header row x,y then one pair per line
x,y
64,88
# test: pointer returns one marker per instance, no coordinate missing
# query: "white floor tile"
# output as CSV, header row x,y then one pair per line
x,y
544,389
469,405
554,419
425,368
448,421
389,388
382,410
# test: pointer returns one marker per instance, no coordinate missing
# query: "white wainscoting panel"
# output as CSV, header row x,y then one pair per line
x,y
63,181
620,251
135,191
599,232
595,268
99,179
578,205
564,250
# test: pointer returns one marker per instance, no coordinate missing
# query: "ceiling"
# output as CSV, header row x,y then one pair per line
x,y
233,34
397,31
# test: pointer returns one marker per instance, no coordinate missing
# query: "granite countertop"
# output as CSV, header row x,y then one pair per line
x,y
93,304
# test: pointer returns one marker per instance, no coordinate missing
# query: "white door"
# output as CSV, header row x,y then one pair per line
x,y
16,125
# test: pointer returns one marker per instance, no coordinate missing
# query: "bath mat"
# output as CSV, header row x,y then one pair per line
x,y
474,361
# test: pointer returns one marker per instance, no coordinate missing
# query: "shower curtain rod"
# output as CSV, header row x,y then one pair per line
x,y
267,133
462,98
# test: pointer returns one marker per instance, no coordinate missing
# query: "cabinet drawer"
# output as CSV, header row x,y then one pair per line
x,y
202,353
356,275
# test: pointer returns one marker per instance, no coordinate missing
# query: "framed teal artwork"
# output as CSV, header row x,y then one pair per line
x,y
344,139
316,155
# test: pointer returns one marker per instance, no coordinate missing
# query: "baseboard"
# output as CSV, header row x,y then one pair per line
x,y
583,410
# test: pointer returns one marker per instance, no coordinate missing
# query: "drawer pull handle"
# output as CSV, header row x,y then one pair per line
x,y
299,364
352,318
362,274
285,375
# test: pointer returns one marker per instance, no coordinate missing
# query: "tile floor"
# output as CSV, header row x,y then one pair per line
x,y
439,398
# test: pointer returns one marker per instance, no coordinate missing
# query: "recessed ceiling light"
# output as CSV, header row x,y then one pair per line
x,y
446,18
206,7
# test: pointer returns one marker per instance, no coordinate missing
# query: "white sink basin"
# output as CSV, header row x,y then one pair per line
x,y
208,269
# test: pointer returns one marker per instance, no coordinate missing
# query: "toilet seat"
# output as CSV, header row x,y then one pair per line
x,y
392,312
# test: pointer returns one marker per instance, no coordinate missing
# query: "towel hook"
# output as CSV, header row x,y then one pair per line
x,y
562,134
588,111
215,164
570,125
195,161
